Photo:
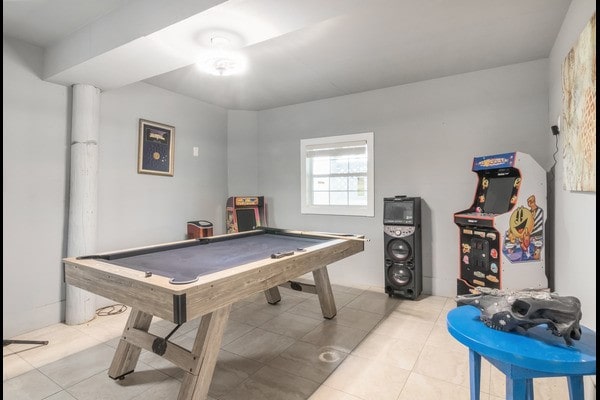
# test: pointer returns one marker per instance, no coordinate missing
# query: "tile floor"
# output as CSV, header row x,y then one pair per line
x,y
376,348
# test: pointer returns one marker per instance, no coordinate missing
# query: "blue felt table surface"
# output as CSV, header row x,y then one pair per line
x,y
536,348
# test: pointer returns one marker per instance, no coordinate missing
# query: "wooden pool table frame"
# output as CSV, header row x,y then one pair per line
x,y
210,297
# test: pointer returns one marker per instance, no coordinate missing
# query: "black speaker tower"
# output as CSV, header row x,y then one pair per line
x,y
402,246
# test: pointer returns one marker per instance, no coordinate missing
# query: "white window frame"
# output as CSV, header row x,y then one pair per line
x,y
305,187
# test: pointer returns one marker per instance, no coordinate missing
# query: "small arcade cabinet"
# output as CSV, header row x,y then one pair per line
x,y
245,213
502,233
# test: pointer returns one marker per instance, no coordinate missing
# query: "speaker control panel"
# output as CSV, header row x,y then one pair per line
x,y
398,231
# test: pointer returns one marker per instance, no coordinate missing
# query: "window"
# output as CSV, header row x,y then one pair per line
x,y
337,175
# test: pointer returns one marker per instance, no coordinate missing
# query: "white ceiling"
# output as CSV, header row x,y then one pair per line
x,y
296,50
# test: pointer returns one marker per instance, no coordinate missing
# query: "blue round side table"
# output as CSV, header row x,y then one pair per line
x,y
522,356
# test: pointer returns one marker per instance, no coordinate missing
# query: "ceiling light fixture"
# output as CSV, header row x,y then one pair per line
x,y
219,41
220,60
223,64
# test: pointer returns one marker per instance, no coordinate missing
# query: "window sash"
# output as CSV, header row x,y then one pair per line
x,y
352,197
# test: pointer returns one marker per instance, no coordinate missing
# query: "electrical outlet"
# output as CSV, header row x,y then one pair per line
x,y
555,130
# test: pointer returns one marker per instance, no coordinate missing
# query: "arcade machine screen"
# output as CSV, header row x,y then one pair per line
x,y
499,192
246,219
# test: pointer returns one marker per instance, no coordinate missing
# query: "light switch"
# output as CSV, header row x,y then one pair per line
x,y
195,152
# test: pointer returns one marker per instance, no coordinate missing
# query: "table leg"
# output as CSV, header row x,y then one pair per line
x,y
475,374
273,296
575,387
205,352
517,389
127,354
324,292
529,389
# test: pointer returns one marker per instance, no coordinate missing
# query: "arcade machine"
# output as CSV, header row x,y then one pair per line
x,y
245,213
502,233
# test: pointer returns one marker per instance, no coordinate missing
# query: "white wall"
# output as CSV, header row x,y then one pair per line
x,y
35,138
140,209
575,212
426,135
133,209
242,153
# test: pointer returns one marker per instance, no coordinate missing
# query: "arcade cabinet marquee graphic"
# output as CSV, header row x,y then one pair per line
x,y
502,233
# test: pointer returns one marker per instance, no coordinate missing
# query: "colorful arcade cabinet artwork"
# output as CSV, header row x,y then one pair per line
x,y
245,213
502,233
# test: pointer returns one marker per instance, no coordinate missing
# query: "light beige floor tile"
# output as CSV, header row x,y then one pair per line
x,y
63,341
401,327
294,326
231,370
271,383
351,290
281,306
78,366
398,352
113,342
339,337
343,299
233,330
425,313
309,308
102,331
252,314
308,361
368,379
407,355
379,303
357,318
429,301
440,337
100,386
442,318
328,393
50,333
550,388
376,289
168,389
589,387
64,395
32,385
13,365
161,364
450,366
426,388
259,345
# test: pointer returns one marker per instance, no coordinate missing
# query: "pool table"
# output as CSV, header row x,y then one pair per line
x,y
185,280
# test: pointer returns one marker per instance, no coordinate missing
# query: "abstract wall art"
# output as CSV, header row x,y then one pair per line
x,y
579,112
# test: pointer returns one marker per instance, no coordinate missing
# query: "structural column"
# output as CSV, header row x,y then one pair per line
x,y
81,304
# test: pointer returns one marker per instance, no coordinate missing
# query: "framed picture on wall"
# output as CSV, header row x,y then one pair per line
x,y
156,148
579,112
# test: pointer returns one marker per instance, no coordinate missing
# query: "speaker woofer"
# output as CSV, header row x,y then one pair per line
x,y
399,250
399,275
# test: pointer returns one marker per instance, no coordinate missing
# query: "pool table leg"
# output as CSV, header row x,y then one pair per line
x,y
205,352
127,354
324,292
273,296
